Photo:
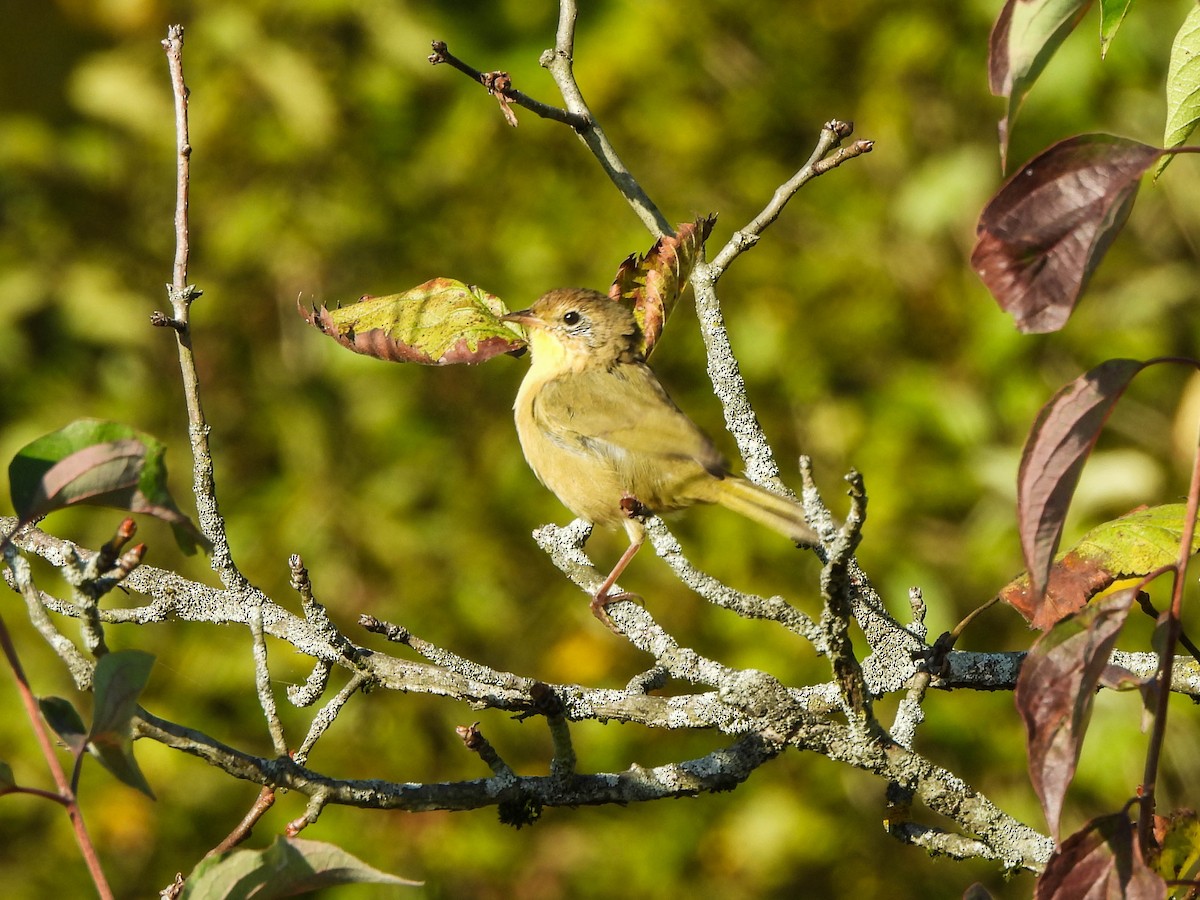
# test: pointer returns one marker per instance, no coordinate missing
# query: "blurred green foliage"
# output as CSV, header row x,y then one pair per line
x,y
330,161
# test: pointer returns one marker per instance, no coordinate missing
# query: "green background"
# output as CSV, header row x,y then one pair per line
x,y
331,161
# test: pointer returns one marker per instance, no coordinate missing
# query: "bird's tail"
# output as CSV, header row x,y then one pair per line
x,y
777,513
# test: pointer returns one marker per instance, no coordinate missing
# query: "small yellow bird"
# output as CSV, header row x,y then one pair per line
x,y
599,430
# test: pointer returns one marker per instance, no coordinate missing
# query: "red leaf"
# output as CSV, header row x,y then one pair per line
x,y
1055,690
1059,443
1101,860
1046,230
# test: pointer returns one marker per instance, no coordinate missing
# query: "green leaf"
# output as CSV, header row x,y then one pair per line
x,y
66,722
1023,40
1183,86
120,677
288,867
1138,543
102,464
1112,14
652,284
7,780
1179,853
438,323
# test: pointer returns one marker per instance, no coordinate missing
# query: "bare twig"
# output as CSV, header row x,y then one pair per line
x,y
262,683
749,606
819,162
835,620
500,86
474,741
559,62
562,764
181,295
328,714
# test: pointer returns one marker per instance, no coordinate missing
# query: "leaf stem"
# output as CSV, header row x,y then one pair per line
x,y
66,793
1146,806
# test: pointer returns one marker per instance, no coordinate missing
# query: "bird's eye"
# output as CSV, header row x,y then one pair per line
x,y
571,318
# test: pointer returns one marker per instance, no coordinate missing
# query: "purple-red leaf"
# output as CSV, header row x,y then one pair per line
x,y
1059,443
1055,690
652,284
438,323
1046,230
1024,38
1101,860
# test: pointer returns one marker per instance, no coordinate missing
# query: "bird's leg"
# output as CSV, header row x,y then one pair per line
x,y
637,536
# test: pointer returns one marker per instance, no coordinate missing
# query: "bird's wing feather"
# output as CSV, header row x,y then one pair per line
x,y
627,410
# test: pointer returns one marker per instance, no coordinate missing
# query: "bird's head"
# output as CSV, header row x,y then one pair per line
x,y
573,328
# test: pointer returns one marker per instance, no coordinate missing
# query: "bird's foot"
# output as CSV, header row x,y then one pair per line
x,y
603,599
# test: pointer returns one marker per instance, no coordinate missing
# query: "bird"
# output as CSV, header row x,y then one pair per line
x,y
600,431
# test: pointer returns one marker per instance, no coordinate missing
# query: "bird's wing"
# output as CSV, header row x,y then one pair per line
x,y
624,410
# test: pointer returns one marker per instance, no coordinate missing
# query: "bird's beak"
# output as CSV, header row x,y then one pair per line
x,y
522,317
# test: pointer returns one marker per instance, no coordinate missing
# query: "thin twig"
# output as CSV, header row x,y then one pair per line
x,y
1147,605
559,62
474,741
81,668
499,85
262,682
835,619
749,606
182,295
819,162
328,715
723,369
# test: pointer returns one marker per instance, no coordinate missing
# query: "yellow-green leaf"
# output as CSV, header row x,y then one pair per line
x,y
1183,86
438,323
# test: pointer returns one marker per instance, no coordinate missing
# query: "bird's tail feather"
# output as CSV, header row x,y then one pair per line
x,y
760,505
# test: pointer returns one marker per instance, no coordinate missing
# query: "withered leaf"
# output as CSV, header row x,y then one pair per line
x,y
1132,546
652,284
